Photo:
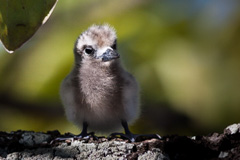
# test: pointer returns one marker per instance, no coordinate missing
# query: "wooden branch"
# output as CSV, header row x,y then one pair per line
x,y
37,145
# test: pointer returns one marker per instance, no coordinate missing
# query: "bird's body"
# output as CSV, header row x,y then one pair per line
x,y
98,92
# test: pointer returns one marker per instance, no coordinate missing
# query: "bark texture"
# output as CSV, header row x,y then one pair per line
x,y
36,145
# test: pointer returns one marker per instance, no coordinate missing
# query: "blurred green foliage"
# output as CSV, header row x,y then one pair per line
x,y
19,20
185,55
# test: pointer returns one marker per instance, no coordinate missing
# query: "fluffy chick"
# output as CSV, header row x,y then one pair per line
x,y
99,93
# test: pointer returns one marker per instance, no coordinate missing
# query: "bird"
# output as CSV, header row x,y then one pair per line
x,y
99,94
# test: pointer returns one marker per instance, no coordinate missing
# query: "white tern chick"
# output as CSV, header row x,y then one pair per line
x,y
98,93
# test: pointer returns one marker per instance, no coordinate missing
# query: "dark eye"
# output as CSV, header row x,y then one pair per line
x,y
89,50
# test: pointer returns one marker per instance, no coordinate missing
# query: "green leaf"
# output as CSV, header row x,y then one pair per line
x,y
20,19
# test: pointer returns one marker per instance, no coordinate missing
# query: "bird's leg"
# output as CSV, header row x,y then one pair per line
x,y
128,134
84,131
82,135
133,137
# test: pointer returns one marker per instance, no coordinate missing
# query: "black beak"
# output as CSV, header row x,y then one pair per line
x,y
109,55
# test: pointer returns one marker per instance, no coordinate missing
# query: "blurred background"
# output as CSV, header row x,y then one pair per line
x,y
185,56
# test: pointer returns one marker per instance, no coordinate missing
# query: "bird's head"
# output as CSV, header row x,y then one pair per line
x,y
96,44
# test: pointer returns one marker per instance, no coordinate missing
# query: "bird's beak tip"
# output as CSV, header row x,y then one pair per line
x,y
110,55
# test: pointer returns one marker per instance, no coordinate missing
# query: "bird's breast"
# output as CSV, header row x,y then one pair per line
x,y
100,89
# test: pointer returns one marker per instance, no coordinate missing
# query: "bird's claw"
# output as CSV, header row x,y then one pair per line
x,y
86,136
77,137
134,137
121,135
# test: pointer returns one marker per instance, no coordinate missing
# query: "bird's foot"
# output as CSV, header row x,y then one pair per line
x,y
142,137
67,137
72,137
134,137
86,136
